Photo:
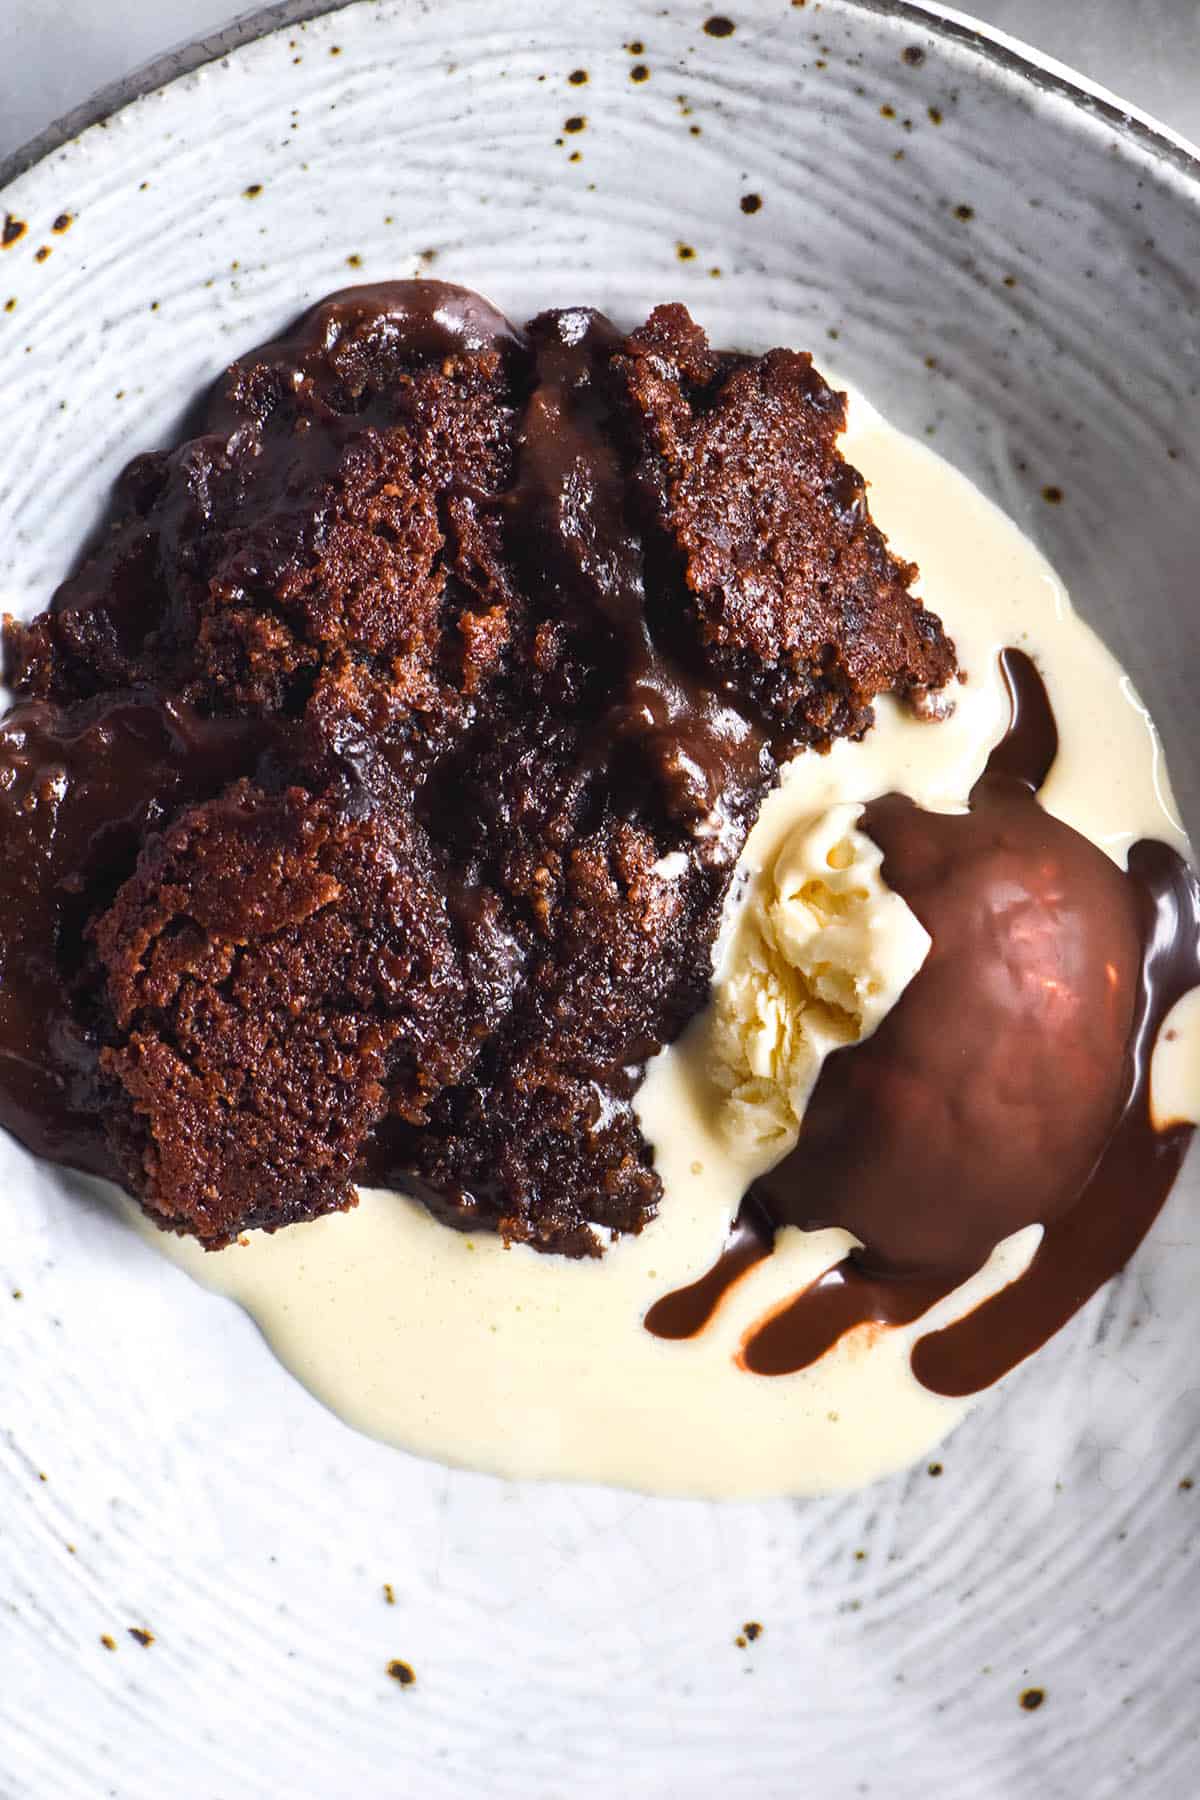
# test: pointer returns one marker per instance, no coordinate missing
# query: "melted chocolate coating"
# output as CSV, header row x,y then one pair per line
x,y
435,641
1009,1086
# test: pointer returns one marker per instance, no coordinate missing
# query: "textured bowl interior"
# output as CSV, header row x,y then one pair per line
x,y
998,265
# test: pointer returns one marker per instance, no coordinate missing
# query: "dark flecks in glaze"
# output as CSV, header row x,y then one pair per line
x,y
1031,1698
964,212
913,55
63,222
577,77
577,122
751,203
42,253
639,72
12,231
719,26
1053,496
253,191
401,1672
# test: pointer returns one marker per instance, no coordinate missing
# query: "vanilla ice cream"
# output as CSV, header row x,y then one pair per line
x,y
819,951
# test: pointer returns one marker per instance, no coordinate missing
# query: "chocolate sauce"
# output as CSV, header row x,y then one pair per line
x,y
79,789
689,1309
1009,1086
570,510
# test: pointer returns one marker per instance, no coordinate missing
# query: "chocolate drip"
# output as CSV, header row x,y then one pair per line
x,y
571,523
689,1309
1009,1086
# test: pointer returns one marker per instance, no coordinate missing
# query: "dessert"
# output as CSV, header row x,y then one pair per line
x,y
505,635
423,742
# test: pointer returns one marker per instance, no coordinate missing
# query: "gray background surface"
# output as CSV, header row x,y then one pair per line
x,y
55,53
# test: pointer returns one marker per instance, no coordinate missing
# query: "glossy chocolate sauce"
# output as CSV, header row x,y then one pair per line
x,y
1009,1086
79,788
689,1309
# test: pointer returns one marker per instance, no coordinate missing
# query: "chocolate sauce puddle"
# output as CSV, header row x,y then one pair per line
x,y
1009,1086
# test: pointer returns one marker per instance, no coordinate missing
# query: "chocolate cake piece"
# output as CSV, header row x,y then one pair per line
x,y
279,973
793,594
503,635
331,508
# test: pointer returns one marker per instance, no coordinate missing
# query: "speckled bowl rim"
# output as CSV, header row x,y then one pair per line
x,y
993,48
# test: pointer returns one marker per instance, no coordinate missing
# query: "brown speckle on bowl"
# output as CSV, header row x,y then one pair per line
x,y
141,1636
1053,496
751,203
635,47
753,1630
935,1468
577,77
913,55
685,252
715,272
12,231
354,260
639,72
253,191
886,111
63,223
575,156
1186,1485
402,1672
335,49
577,122
10,306
935,115
389,1593
1032,1698
719,26
695,130
740,1641
108,1640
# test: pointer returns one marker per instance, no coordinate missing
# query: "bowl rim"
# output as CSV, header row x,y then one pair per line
x,y
992,49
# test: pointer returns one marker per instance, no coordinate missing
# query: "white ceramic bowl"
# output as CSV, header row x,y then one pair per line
x,y
997,258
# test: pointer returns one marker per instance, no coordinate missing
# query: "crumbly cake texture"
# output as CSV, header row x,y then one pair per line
x,y
519,626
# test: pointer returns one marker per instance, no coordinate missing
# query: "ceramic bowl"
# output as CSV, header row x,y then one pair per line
x,y
1002,260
